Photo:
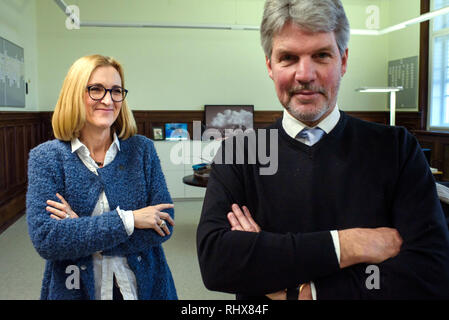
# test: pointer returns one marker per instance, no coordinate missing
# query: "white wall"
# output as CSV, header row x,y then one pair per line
x,y
167,69
173,69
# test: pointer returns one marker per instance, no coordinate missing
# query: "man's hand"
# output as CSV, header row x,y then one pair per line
x,y
280,295
304,294
366,245
242,221
357,245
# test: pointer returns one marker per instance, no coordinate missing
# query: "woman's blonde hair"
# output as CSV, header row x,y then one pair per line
x,y
69,116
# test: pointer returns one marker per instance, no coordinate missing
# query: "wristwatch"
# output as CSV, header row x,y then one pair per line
x,y
293,293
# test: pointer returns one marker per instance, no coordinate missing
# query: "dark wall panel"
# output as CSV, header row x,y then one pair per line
x,y
19,133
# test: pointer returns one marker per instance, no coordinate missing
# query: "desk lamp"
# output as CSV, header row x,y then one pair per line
x,y
392,91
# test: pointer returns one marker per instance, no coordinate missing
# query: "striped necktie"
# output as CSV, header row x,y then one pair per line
x,y
310,136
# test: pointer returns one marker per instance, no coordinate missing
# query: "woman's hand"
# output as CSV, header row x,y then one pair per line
x,y
152,217
60,210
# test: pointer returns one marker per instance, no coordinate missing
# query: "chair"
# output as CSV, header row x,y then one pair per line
x,y
443,194
428,153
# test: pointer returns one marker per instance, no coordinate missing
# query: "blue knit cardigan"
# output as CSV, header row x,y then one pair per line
x,y
132,181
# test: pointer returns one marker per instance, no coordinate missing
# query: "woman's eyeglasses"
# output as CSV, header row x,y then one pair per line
x,y
97,93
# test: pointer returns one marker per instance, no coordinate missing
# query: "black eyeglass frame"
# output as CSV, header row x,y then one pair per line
x,y
125,92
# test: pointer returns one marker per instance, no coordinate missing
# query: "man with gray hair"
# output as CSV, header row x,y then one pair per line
x,y
348,194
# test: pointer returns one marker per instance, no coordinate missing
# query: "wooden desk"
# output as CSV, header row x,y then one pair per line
x,y
438,175
191,180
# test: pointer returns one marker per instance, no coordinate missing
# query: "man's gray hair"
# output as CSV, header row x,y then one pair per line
x,y
312,15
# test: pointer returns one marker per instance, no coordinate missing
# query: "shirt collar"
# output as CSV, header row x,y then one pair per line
x,y
116,141
293,126
77,144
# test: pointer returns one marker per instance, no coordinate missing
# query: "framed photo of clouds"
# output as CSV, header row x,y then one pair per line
x,y
218,118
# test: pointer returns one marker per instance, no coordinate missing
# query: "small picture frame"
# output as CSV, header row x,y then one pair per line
x,y
158,133
176,131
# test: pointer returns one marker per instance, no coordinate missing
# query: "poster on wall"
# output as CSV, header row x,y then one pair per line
x,y
12,75
404,73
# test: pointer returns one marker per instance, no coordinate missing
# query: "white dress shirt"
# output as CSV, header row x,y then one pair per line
x,y
105,267
292,127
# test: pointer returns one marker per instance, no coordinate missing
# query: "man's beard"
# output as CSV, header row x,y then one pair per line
x,y
309,114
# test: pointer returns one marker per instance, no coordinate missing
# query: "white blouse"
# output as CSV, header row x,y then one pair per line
x,y
105,267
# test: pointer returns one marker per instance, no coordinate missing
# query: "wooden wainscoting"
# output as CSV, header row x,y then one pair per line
x,y
410,120
438,142
146,120
21,131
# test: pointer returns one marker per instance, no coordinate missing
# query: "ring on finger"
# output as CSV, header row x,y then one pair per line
x,y
67,216
162,224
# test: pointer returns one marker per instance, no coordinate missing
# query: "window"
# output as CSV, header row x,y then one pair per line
x,y
439,87
441,22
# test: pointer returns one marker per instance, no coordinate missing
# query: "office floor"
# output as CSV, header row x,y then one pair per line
x,y
22,268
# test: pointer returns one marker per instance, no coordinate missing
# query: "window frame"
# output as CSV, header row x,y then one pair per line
x,y
445,80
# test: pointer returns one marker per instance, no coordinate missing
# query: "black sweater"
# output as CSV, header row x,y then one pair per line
x,y
361,174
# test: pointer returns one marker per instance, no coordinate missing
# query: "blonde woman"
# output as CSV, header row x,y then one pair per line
x,y
98,208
